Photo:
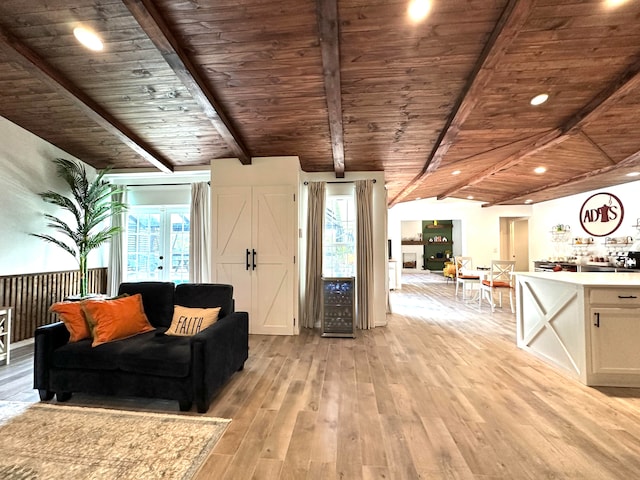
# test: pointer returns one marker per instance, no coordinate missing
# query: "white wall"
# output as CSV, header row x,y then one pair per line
x,y
567,212
153,188
479,235
480,227
26,171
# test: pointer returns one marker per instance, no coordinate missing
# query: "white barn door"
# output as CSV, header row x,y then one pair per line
x,y
254,250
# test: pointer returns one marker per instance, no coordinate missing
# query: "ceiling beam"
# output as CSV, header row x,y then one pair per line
x,y
154,25
330,47
614,92
597,147
511,21
630,161
35,65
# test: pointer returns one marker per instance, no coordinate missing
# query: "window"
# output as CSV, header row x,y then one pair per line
x,y
339,241
158,244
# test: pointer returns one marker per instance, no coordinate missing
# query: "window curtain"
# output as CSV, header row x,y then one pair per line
x,y
199,237
116,252
315,221
364,254
386,229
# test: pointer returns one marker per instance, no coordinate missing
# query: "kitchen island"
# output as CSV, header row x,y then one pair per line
x,y
586,324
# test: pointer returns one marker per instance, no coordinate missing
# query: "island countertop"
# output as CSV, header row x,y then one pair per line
x,y
592,279
587,324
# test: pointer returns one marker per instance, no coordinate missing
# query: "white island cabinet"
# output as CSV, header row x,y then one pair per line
x,y
587,324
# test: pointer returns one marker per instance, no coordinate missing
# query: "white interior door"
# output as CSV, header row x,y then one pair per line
x,y
254,252
520,244
231,211
273,279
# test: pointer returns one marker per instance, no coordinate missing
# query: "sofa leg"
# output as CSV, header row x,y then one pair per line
x,y
185,405
63,396
202,407
45,395
241,367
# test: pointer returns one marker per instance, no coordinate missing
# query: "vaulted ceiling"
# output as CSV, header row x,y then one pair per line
x,y
441,106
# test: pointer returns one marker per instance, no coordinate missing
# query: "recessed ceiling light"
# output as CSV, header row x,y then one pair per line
x,y
88,38
539,99
470,197
633,174
615,3
539,170
528,201
419,9
456,172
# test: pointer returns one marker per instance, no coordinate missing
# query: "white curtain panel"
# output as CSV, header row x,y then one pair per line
x,y
386,231
313,287
199,235
364,254
116,253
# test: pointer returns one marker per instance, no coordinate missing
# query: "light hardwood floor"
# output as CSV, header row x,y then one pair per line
x,y
442,392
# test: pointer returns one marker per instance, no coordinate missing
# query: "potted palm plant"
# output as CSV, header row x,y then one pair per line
x,y
90,205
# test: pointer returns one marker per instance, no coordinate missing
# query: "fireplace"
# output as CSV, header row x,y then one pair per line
x,y
409,260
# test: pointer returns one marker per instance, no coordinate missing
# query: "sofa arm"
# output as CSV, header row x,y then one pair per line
x,y
216,353
47,339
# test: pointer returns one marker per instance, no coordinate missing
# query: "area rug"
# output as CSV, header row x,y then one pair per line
x,y
50,442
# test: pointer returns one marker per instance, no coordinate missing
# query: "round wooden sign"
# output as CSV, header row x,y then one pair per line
x,y
601,214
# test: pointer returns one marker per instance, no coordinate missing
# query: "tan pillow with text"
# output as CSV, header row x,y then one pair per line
x,y
189,321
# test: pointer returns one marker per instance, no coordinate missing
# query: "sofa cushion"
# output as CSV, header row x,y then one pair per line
x,y
160,355
189,321
157,298
73,318
206,295
116,319
81,355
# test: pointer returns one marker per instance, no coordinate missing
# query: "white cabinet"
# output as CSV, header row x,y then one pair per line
x,y
393,274
615,335
254,249
587,324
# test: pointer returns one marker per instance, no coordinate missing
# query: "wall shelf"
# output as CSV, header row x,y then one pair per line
x,y
435,251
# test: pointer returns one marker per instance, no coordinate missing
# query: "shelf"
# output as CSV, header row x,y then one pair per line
x,y
422,242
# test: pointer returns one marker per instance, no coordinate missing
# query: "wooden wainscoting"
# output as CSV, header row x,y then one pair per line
x,y
32,294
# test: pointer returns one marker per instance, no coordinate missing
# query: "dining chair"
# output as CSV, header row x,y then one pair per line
x,y
499,279
465,279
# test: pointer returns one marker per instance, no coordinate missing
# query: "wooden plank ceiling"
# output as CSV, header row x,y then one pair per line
x,y
441,106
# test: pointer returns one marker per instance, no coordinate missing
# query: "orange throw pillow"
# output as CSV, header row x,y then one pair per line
x,y
116,319
73,317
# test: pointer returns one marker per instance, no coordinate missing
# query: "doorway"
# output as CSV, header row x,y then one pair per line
x,y
514,241
157,244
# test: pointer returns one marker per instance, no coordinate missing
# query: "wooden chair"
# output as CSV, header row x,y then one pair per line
x,y
500,279
462,264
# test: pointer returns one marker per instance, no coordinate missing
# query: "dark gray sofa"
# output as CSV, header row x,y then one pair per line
x,y
186,369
